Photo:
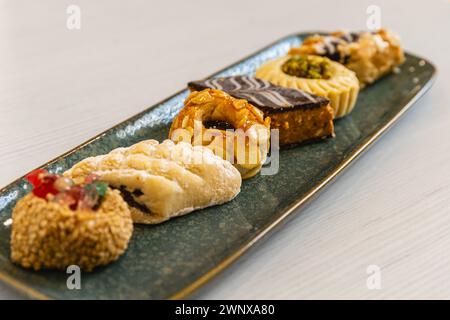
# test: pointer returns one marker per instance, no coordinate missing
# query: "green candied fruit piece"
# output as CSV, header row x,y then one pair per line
x,y
101,188
310,67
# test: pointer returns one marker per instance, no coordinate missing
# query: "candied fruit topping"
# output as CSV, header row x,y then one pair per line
x,y
56,188
64,198
77,193
91,178
43,183
101,188
62,184
33,177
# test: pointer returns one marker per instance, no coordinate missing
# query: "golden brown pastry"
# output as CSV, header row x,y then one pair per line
x,y
233,128
61,224
160,181
369,54
299,116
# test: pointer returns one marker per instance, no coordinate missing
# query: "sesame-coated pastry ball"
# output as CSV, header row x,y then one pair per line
x,y
51,235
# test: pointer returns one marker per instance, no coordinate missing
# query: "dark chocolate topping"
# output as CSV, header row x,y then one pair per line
x,y
261,93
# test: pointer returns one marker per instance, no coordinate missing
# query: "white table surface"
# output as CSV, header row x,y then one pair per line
x,y
58,88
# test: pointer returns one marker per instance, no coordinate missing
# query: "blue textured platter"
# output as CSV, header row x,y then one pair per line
x,y
173,259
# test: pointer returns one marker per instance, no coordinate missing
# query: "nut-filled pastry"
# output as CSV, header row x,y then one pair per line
x,y
62,223
317,75
163,180
233,128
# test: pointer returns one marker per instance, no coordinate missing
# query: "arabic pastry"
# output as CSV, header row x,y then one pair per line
x,y
61,224
233,128
162,181
369,54
317,75
299,116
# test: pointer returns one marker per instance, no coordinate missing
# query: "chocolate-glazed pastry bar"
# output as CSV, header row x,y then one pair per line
x,y
369,54
299,116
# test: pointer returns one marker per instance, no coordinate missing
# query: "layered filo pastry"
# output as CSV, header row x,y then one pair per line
x,y
369,54
163,180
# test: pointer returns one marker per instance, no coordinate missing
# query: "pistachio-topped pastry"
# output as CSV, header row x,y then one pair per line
x,y
62,223
317,75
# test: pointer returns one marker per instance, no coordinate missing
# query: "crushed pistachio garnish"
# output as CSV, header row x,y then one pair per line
x,y
311,67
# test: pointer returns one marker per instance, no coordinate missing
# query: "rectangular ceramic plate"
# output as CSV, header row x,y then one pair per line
x,y
173,259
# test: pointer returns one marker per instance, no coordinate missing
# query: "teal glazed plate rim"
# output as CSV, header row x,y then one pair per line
x,y
175,258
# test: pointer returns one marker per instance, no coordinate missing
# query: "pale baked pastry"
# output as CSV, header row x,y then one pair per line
x,y
163,180
61,224
317,75
369,54
299,116
233,128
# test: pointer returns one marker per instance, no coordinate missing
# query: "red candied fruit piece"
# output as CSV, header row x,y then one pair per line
x,y
33,177
46,186
77,193
64,199
90,197
91,178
